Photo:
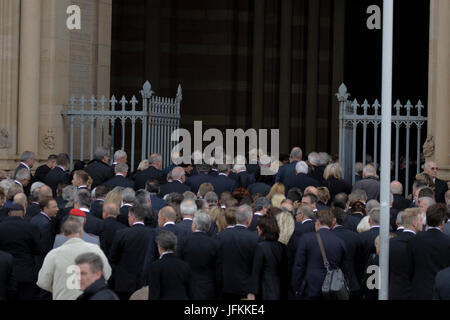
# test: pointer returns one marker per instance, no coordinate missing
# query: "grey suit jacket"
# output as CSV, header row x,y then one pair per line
x,y
60,239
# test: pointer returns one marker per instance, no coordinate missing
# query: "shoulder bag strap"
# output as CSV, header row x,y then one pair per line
x,y
322,250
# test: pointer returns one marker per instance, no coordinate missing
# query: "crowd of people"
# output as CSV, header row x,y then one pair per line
x,y
213,231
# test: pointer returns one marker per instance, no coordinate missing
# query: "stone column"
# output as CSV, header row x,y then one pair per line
x,y
284,118
439,85
30,44
258,65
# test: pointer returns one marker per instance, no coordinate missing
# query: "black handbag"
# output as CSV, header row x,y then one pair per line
x,y
334,286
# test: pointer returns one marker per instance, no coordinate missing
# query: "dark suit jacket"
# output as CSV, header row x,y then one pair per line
x,y
26,189
98,291
56,176
399,281
352,262
371,186
123,216
127,256
441,188
21,239
93,225
169,279
368,244
194,182
301,181
32,210
186,225
254,223
428,252
285,171
400,202
336,186
7,281
41,173
98,171
97,208
223,183
269,279
259,187
309,271
175,186
352,220
244,179
47,236
441,289
157,203
110,226
141,177
236,251
119,181
199,251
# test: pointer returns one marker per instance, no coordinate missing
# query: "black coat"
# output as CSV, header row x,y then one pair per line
x,y
299,230
301,181
157,203
41,173
7,281
93,224
56,176
98,291
429,253
440,189
368,244
47,236
199,251
309,271
169,279
194,182
32,210
400,203
20,238
441,289
254,223
244,179
259,187
141,177
26,189
223,183
399,281
123,216
236,251
97,208
285,171
353,264
174,186
99,171
269,278
370,185
110,227
336,186
352,220
127,255
186,225
119,181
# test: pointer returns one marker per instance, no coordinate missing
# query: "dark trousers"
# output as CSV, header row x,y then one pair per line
x,y
27,291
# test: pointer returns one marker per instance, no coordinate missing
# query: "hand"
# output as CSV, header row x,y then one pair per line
x,y
251,296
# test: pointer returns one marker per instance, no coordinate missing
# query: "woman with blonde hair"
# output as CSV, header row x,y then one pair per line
x,y
333,180
276,188
114,196
277,198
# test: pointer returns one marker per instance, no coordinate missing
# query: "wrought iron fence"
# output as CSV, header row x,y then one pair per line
x,y
353,116
158,118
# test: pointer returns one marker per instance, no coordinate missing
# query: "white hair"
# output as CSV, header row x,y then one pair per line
x,y
177,173
36,185
188,207
5,184
324,158
314,158
239,167
301,167
119,155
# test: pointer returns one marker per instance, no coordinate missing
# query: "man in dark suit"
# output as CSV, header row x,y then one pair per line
x,y
110,226
368,237
128,199
34,209
82,201
400,202
262,204
289,169
428,252
177,185
23,177
80,180
20,238
41,171
352,253
99,169
399,281
222,182
199,251
243,178
7,280
120,156
370,183
235,260
59,174
195,181
355,215
43,221
441,289
152,173
27,159
99,198
309,271
441,186
169,277
127,253
300,179
187,209
120,179
152,186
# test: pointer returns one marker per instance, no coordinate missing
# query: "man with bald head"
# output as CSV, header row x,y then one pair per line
x,y
370,183
110,226
177,185
400,202
153,172
441,186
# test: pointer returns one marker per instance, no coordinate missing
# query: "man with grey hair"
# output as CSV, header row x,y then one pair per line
x,y
262,204
187,208
22,179
368,237
26,162
99,169
289,169
399,223
58,274
424,204
59,173
370,183
153,172
304,222
82,201
235,260
222,182
441,186
120,179
120,156
110,226
169,276
177,185
400,202
300,179
128,200
199,251
212,199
